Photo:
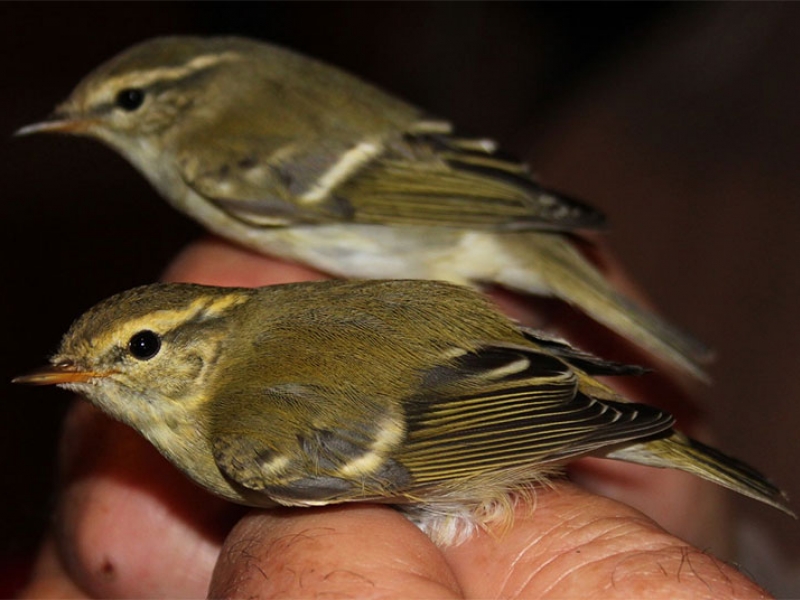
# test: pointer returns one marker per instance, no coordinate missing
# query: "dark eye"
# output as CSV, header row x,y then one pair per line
x,y
130,99
144,345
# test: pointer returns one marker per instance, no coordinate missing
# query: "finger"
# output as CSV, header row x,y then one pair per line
x,y
570,544
353,551
573,544
127,523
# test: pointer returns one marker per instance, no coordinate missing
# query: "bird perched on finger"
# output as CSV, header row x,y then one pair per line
x,y
295,158
418,394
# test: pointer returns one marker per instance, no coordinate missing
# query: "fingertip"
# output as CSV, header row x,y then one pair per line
x,y
340,551
127,523
213,261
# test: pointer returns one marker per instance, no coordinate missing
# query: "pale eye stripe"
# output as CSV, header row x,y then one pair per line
x,y
348,163
165,320
147,77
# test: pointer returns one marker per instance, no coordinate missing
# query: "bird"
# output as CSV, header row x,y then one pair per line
x,y
295,158
414,393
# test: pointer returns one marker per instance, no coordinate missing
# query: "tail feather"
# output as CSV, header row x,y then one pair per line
x,y
680,452
569,276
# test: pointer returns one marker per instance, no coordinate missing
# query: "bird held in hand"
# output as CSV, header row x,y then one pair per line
x,y
414,393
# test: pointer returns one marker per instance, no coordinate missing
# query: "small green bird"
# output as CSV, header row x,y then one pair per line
x,y
297,159
413,393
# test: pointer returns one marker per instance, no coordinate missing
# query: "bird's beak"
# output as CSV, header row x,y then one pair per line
x,y
57,374
58,122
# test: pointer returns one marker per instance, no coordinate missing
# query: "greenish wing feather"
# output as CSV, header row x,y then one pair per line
x,y
297,459
503,407
422,180
442,180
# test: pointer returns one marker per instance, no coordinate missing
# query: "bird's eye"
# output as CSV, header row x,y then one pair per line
x,y
144,345
130,99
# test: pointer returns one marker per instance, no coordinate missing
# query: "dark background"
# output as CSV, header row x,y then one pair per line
x,y
681,121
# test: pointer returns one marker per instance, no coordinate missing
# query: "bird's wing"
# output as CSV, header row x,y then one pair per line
x,y
421,178
489,411
442,180
501,408
310,456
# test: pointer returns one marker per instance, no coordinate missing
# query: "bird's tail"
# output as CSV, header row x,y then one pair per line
x,y
562,271
680,452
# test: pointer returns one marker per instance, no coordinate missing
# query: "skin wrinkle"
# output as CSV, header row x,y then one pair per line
x,y
524,552
555,562
542,543
667,550
532,546
599,564
565,575
348,575
608,537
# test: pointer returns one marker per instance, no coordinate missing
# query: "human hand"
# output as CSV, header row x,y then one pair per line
x,y
128,524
